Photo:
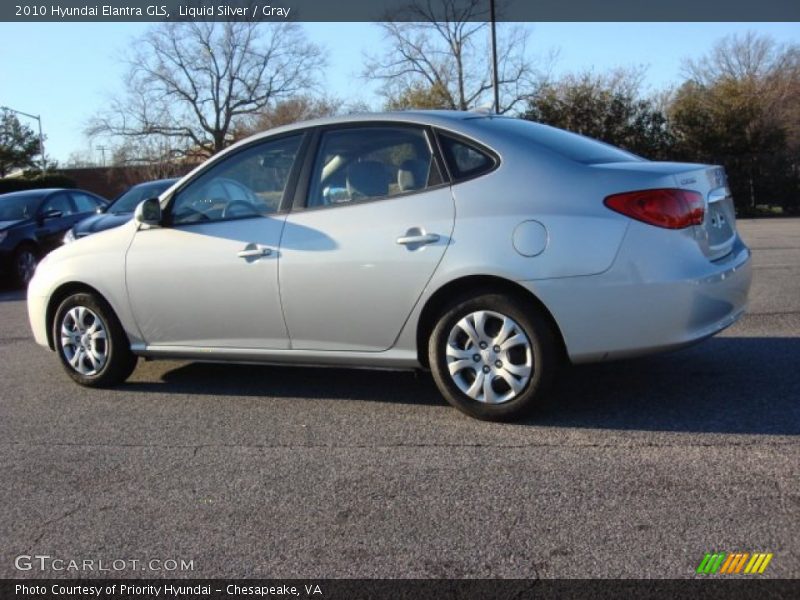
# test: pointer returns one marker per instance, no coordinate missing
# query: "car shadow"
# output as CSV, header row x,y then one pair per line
x,y
10,292
725,385
294,382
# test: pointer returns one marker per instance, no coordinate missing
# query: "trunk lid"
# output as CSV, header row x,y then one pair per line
x,y
717,234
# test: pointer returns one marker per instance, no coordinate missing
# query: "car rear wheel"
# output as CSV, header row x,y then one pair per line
x,y
493,357
91,343
25,261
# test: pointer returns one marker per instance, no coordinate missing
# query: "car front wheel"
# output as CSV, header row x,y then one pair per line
x,y
91,343
25,261
493,356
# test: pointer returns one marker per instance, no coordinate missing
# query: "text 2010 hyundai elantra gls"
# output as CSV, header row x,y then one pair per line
x,y
484,248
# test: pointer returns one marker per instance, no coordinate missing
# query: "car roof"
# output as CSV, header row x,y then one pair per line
x,y
443,118
43,192
446,119
37,192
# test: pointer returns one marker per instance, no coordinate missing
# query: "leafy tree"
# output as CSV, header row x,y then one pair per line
x,y
195,82
606,107
419,96
18,144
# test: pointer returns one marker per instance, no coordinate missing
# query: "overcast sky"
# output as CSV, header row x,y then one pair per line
x,y
66,71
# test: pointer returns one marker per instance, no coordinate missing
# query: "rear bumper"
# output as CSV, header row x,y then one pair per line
x,y
654,298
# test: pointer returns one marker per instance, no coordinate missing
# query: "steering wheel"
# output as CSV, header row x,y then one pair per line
x,y
188,214
242,207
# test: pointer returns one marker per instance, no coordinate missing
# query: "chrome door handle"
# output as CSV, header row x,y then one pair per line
x,y
418,240
254,253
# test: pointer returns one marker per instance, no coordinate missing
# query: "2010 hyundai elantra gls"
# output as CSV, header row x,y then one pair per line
x,y
484,248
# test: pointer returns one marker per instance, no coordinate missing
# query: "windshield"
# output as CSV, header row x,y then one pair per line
x,y
128,201
14,207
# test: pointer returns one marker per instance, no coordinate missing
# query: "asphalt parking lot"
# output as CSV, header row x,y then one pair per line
x,y
637,469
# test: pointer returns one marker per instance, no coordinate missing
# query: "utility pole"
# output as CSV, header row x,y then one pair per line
x,y
41,137
495,75
103,154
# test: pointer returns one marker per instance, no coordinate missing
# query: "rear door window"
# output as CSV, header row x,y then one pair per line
x,y
358,164
85,203
59,202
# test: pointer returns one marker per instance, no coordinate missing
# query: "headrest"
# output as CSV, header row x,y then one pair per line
x,y
412,175
367,179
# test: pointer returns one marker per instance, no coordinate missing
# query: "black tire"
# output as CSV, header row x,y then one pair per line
x,y
541,352
119,361
25,260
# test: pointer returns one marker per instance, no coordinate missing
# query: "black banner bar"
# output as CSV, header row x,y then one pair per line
x,y
741,588
380,10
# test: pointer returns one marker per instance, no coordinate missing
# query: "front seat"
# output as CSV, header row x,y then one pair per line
x,y
367,179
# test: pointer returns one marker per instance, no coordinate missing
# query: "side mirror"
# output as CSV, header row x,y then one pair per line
x,y
148,212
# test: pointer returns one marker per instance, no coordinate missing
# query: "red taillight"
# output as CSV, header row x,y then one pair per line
x,y
669,208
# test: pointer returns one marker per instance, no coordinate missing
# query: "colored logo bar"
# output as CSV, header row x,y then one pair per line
x,y
734,563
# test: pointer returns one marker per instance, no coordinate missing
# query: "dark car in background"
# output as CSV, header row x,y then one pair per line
x,y
33,222
120,210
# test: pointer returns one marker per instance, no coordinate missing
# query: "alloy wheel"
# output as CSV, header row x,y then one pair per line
x,y
26,266
84,340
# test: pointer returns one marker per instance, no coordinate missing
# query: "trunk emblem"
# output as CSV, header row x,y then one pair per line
x,y
716,177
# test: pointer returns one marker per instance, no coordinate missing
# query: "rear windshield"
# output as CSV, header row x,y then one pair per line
x,y
570,145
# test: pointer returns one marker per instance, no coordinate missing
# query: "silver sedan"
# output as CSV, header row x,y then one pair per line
x,y
487,249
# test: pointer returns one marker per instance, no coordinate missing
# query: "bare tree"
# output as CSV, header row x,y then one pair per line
x,y
194,82
295,109
288,111
80,159
740,57
767,69
153,157
739,107
439,51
